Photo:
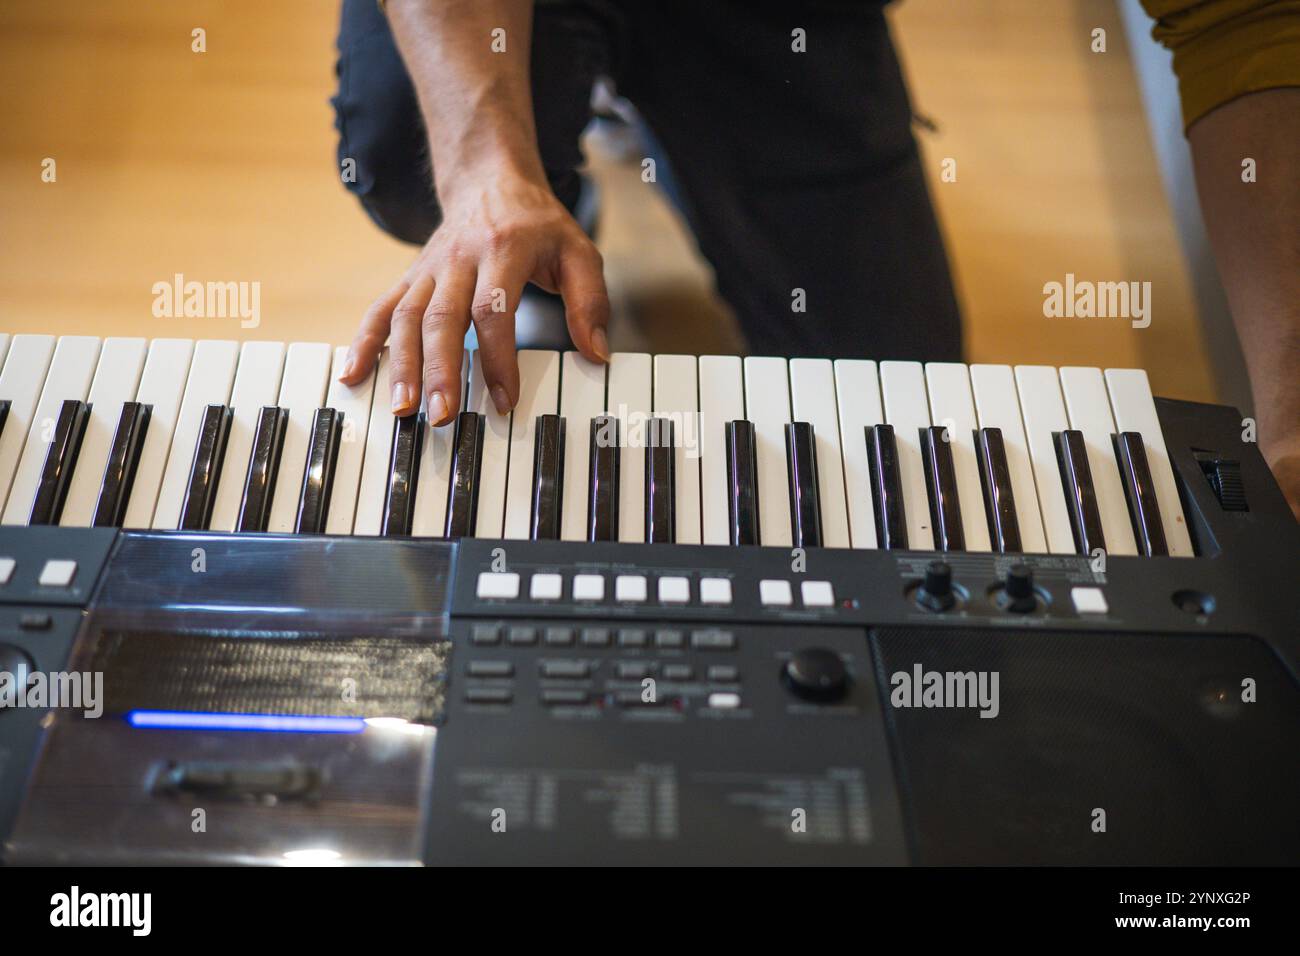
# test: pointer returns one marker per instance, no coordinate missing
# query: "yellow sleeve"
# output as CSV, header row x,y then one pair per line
x,y
1224,49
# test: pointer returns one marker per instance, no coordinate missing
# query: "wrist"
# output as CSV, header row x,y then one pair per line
x,y
466,185
485,159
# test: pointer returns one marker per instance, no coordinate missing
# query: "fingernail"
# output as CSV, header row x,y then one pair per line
x,y
403,397
437,409
348,367
600,344
500,399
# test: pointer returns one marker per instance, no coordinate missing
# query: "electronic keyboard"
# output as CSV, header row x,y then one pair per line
x,y
672,609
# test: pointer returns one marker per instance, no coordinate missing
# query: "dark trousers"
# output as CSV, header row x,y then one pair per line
x,y
796,170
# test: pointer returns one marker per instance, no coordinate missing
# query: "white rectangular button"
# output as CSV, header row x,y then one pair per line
x,y
629,587
1089,600
674,590
588,587
775,593
498,584
818,594
724,701
58,573
7,566
715,590
546,587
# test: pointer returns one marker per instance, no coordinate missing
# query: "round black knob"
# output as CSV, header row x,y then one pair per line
x,y
15,663
816,674
1020,581
936,593
1018,591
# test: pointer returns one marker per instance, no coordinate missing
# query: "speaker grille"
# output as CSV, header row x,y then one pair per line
x,y
1152,730
363,676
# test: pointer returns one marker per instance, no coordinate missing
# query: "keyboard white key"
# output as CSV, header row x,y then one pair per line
x,y
25,367
1044,413
812,400
539,394
212,372
166,369
354,403
430,520
1088,406
676,397
907,409
857,392
257,383
628,399
952,407
1135,411
4,347
306,375
722,400
582,398
496,451
997,407
117,378
379,445
767,405
71,369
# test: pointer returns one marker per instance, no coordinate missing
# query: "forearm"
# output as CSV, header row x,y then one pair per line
x,y
1254,229
476,100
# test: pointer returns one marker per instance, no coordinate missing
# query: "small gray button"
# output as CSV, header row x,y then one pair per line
x,y
523,635
629,637
713,640
559,636
490,669
485,634
566,669
670,639
489,695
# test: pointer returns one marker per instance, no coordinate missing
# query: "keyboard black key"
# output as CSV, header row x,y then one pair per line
x,y
60,460
462,492
999,501
602,495
548,478
1140,491
805,499
886,486
263,468
1080,496
123,459
318,475
4,414
205,468
660,483
941,487
403,475
742,482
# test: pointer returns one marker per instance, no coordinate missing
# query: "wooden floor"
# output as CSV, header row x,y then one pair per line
x,y
220,166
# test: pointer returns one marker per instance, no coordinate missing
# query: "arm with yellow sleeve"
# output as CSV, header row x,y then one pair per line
x,y
1238,68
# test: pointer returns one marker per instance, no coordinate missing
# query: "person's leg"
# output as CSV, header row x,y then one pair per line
x,y
798,172
382,133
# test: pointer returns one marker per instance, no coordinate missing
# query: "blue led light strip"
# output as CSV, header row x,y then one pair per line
x,y
275,723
